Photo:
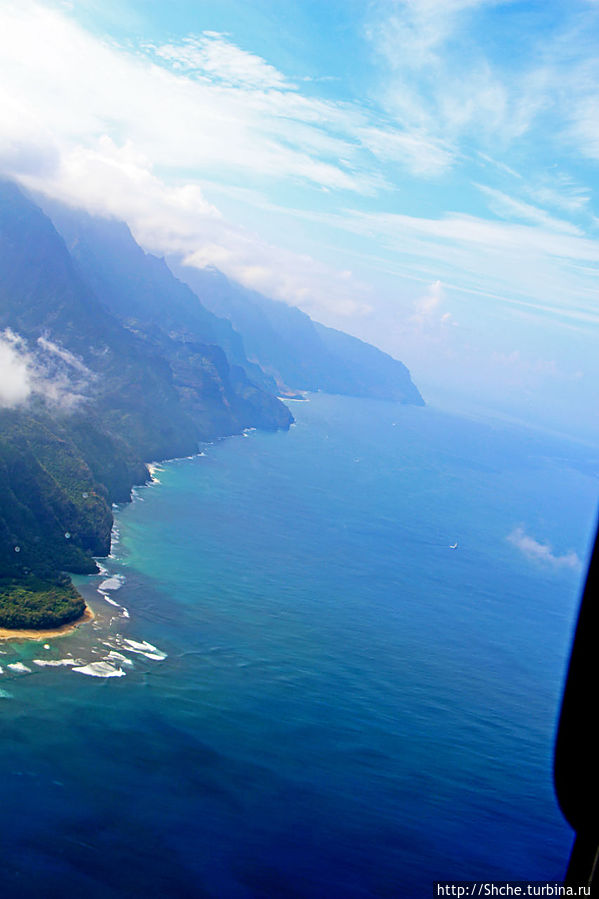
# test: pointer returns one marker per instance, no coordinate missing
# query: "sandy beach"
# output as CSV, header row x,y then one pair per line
x,y
48,634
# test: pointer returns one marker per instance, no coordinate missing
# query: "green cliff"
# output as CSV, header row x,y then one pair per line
x,y
106,396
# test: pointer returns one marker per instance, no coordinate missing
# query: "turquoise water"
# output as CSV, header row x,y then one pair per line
x,y
321,698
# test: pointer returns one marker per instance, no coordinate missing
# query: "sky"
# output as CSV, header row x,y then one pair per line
x,y
419,173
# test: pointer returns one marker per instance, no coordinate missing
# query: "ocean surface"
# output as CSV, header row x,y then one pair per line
x,y
297,684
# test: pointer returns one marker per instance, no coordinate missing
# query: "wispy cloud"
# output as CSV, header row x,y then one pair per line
x,y
585,123
64,355
561,192
202,104
46,372
441,80
420,152
542,552
448,79
212,54
511,207
537,267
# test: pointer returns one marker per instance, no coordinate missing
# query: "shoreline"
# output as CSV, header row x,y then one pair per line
x,y
7,634
47,633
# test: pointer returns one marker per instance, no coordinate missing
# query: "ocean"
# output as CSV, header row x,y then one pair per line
x,y
324,663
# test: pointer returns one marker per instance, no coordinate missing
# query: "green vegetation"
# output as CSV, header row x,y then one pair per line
x,y
54,516
37,604
126,365
108,395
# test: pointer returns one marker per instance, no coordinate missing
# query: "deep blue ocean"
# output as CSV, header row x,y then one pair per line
x,y
311,693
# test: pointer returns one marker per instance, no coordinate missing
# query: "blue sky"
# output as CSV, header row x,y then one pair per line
x,y
421,174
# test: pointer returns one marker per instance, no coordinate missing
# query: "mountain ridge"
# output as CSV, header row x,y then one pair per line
x,y
296,350
126,363
66,456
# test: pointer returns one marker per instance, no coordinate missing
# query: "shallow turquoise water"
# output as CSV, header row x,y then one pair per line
x,y
348,707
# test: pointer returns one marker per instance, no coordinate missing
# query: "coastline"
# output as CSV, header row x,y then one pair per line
x,y
152,468
48,633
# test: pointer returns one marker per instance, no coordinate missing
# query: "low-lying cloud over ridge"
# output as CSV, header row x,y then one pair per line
x,y
47,372
15,371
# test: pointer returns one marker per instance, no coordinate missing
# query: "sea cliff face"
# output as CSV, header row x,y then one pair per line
x,y
122,363
297,351
103,399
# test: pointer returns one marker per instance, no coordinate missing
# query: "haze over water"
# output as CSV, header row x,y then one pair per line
x,y
348,705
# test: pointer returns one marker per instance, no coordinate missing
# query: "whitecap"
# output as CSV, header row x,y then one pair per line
x,y
100,669
114,656
19,666
125,612
115,582
57,663
108,599
145,649
4,694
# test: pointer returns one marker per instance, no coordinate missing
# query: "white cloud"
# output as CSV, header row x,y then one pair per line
x,y
510,207
413,31
428,314
300,281
133,133
40,373
419,151
441,82
441,73
117,181
64,355
212,54
562,192
93,124
585,125
542,552
241,117
538,268
15,371
430,302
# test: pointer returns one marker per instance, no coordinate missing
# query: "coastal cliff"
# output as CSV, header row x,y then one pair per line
x,y
98,400
117,362
297,351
